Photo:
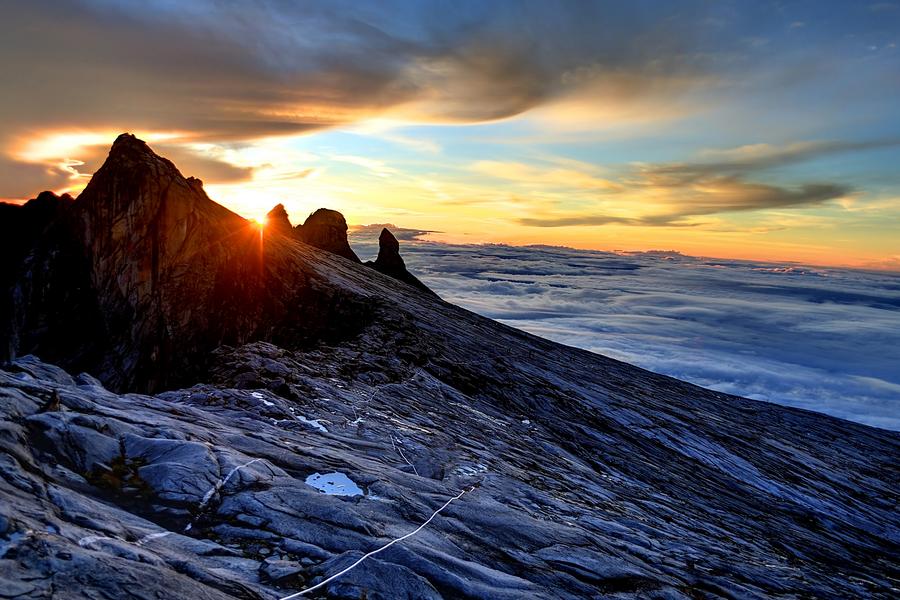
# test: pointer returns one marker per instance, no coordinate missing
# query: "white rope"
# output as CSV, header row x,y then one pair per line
x,y
385,547
400,452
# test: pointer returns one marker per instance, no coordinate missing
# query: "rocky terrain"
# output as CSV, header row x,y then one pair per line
x,y
245,413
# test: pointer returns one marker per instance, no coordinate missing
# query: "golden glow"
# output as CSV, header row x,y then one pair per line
x,y
492,199
65,150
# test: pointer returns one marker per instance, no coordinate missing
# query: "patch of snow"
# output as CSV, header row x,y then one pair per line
x,y
526,422
334,484
153,536
470,471
314,422
259,396
90,540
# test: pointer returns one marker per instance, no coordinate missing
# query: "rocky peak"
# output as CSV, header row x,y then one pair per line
x,y
327,229
388,250
391,263
163,275
277,220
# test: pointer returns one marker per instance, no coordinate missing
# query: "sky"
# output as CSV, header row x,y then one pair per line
x,y
819,338
765,130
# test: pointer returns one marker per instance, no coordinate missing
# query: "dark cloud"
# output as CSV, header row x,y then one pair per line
x,y
721,196
232,71
205,168
22,180
401,233
721,185
577,220
280,67
814,338
754,158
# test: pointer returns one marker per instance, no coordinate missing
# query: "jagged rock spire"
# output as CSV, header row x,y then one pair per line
x,y
391,263
277,220
327,229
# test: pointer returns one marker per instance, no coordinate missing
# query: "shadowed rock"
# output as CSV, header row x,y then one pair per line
x,y
146,276
22,224
277,221
327,229
391,263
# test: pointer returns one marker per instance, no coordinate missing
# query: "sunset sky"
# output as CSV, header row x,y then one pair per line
x,y
765,130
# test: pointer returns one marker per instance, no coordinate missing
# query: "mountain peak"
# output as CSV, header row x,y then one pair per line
x,y
124,140
391,263
327,229
277,220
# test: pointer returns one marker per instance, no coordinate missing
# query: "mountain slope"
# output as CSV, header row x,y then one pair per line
x,y
583,476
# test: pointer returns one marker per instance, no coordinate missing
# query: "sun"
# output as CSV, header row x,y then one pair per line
x,y
259,221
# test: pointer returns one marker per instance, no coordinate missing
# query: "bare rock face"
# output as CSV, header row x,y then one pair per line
x,y
277,221
391,263
327,229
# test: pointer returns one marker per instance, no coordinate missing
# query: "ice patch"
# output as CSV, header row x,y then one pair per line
x,y
153,536
314,422
259,396
470,470
90,540
334,484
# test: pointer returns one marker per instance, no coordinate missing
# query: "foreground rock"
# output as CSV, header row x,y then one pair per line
x,y
587,478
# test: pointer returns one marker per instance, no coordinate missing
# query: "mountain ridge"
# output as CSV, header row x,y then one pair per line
x,y
589,477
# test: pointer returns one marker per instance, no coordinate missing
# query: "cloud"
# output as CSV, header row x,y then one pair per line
x,y
224,73
672,194
718,195
814,338
370,233
753,158
559,177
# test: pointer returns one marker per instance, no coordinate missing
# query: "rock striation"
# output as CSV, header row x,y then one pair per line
x,y
324,410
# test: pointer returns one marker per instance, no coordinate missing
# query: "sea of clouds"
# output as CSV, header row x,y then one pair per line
x,y
816,338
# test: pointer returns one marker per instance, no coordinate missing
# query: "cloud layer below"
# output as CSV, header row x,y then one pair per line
x,y
820,339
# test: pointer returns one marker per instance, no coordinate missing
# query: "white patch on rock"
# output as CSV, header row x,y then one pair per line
x,y
334,484
313,422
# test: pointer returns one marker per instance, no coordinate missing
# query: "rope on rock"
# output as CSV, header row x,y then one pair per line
x,y
385,547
